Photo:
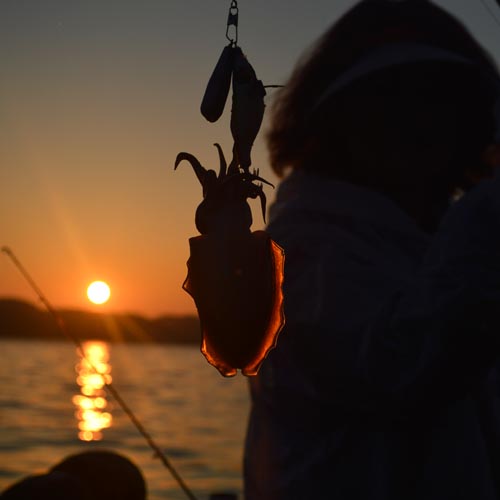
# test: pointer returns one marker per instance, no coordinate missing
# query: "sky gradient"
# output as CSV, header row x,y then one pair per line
x,y
96,100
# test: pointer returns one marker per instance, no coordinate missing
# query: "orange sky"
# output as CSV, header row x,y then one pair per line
x,y
96,100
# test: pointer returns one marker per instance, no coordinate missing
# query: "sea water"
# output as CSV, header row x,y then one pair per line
x,y
196,416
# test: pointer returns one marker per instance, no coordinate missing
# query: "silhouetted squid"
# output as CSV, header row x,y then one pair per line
x,y
235,276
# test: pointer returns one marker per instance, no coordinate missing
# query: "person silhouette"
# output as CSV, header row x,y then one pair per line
x,y
385,382
92,474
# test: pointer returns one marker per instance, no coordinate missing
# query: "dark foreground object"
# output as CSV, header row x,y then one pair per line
x,y
96,475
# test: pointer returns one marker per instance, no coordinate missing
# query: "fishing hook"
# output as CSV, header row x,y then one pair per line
x,y
232,20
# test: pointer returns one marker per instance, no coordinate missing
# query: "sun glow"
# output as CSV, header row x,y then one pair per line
x,y
98,292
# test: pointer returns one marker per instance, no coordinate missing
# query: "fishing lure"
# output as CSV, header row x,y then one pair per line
x,y
247,110
215,97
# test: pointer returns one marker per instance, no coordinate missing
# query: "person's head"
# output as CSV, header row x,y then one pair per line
x,y
53,486
105,475
89,475
394,96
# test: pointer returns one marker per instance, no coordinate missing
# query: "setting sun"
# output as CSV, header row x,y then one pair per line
x,y
98,292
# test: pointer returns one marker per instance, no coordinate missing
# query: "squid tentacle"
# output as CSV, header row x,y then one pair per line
x,y
199,169
227,191
222,161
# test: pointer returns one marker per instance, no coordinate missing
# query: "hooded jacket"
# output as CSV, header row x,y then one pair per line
x,y
384,384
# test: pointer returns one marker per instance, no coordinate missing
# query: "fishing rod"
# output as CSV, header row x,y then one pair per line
x,y
491,11
108,386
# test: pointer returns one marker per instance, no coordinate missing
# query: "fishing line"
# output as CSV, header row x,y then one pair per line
x,y
491,12
109,387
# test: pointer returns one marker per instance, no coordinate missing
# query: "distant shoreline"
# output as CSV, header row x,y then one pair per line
x,y
23,320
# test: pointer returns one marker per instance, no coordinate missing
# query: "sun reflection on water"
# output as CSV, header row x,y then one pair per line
x,y
93,372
